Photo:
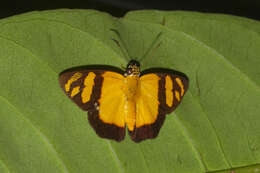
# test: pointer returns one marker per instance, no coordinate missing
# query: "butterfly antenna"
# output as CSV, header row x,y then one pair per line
x,y
117,43
152,46
163,21
123,48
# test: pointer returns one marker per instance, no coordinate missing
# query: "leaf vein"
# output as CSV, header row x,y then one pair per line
x,y
146,165
70,26
190,141
39,133
215,131
115,156
4,165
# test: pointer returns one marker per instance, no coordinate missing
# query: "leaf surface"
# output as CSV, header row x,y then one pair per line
x,y
215,128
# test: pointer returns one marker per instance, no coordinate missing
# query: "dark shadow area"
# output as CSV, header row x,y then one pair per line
x,y
245,8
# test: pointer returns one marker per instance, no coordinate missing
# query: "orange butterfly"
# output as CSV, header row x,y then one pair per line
x,y
115,99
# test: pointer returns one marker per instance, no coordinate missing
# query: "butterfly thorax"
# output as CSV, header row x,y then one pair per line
x,y
133,68
132,74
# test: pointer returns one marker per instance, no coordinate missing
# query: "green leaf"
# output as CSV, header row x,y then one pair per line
x,y
215,128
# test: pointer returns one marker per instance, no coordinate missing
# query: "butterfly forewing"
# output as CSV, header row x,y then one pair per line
x,y
160,94
172,89
79,87
99,93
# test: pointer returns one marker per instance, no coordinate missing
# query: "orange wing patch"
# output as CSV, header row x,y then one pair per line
x,y
177,95
168,90
75,91
73,78
88,87
179,82
147,103
112,101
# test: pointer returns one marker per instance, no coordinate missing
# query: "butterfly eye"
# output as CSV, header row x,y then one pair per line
x,y
128,71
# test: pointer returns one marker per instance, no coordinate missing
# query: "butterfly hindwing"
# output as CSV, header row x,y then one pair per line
x,y
99,93
160,94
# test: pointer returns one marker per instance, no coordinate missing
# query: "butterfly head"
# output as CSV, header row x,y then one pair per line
x,y
133,68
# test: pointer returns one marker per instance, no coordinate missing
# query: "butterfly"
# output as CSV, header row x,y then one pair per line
x,y
116,99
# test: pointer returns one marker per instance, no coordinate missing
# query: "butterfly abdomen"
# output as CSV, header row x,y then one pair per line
x,y
131,90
